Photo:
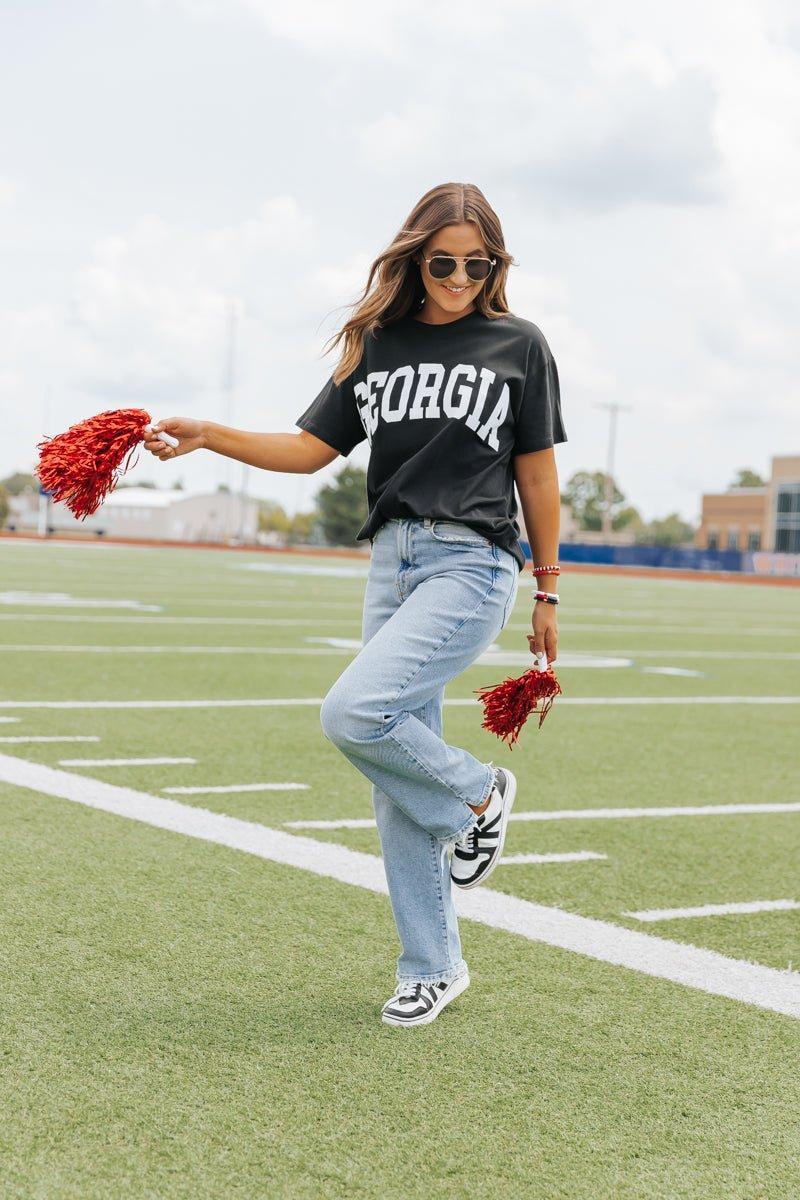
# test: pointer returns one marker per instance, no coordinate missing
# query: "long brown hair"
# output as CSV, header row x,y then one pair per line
x,y
394,285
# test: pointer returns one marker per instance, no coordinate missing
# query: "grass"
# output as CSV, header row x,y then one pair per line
x,y
183,1020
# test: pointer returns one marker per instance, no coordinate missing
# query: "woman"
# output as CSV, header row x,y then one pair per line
x,y
458,399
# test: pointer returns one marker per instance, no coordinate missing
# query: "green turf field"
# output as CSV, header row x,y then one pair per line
x,y
181,1018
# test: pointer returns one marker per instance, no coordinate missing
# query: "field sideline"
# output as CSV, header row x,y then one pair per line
x,y
198,938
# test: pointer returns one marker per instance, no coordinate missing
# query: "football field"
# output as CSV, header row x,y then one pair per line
x,y
198,939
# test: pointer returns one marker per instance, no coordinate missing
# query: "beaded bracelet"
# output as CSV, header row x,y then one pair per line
x,y
555,569
548,597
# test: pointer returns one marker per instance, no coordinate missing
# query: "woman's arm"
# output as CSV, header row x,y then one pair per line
x,y
299,453
302,452
536,478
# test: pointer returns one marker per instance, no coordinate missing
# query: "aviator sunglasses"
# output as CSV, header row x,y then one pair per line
x,y
442,265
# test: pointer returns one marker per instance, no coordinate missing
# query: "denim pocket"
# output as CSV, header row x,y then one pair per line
x,y
457,533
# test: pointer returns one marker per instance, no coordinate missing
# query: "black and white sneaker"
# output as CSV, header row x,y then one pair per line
x,y
420,1003
473,860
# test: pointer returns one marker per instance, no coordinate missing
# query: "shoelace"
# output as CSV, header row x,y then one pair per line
x,y
409,989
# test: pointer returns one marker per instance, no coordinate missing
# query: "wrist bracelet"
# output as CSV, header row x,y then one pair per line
x,y
555,569
548,597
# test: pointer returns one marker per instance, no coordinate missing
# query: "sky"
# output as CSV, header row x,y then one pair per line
x,y
172,170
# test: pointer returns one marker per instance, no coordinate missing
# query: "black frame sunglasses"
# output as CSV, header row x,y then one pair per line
x,y
441,266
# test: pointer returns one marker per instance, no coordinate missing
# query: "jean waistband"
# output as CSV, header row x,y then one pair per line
x,y
425,521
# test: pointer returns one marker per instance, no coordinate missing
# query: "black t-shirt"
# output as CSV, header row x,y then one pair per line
x,y
444,409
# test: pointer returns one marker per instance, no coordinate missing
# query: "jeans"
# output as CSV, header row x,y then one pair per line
x,y
438,594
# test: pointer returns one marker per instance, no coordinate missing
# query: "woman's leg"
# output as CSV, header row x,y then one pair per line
x,y
420,889
463,607
454,602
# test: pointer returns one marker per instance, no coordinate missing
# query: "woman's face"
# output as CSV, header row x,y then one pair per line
x,y
455,294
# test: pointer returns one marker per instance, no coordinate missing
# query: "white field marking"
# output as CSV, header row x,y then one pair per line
x,y
340,621
733,631
234,788
70,738
699,610
9,720
142,649
331,645
113,619
318,620
684,671
678,962
570,856
778,655
495,655
315,701
588,814
64,600
305,569
712,910
122,762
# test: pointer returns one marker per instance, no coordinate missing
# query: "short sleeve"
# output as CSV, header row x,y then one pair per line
x,y
539,423
333,416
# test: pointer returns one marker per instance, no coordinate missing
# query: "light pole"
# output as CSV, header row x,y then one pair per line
x,y
229,387
613,407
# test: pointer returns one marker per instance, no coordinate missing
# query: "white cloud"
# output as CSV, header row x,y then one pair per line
x,y
644,162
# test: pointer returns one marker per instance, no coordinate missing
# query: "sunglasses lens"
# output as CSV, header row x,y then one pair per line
x,y
441,266
477,268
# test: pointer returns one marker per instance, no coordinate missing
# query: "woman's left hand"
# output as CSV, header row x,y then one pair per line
x,y
545,630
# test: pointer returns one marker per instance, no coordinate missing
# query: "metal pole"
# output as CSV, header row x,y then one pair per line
x,y
229,384
608,489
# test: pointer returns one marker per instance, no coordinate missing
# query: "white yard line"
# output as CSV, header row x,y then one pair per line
x,y
315,701
736,632
10,720
779,655
690,966
143,649
617,627
569,856
122,762
64,600
339,645
713,910
73,619
591,814
234,788
65,738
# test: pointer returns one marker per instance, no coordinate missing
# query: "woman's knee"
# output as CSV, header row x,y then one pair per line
x,y
347,718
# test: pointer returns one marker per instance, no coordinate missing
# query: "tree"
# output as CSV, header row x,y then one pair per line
x,y
19,482
631,519
4,505
341,506
747,477
667,531
585,496
273,518
301,527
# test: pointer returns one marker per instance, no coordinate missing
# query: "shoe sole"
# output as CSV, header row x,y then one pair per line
x,y
511,791
459,985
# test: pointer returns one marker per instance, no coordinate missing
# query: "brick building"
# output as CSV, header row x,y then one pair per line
x,y
757,518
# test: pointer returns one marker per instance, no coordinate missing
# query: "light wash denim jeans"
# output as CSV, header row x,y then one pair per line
x,y
438,593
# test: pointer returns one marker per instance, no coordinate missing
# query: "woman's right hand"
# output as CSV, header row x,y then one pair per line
x,y
188,431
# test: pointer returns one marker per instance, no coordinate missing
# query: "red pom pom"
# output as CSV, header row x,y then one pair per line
x,y
82,465
507,705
